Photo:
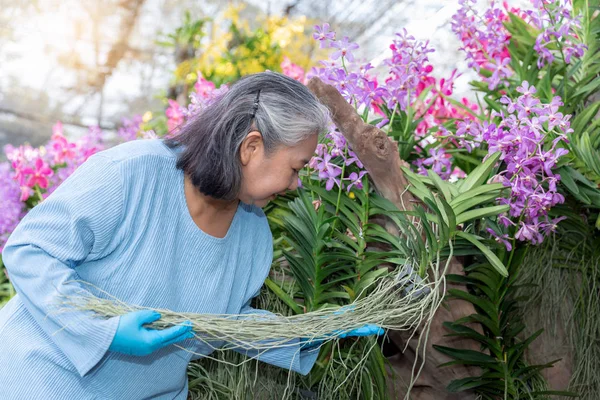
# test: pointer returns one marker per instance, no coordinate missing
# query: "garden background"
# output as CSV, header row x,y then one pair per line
x,y
482,161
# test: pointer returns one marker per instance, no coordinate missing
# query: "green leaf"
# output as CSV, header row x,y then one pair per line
x,y
591,87
483,320
565,177
476,201
465,355
480,174
459,385
286,298
449,215
421,195
442,222
471,160
545,85
525,372
582,120
463,107
368,279
517,351
431,236
579,177
424,94
591,155
465,331
440,185
488,280
480,302
494,105
415,180
334,295
480,213
483,189
491,257
488,291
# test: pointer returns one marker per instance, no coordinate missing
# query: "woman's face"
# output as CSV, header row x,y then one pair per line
x,y
266,176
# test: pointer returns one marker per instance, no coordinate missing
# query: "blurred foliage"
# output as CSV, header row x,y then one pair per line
x,y
227,47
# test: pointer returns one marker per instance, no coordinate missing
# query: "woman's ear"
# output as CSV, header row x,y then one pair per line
x,y
252,146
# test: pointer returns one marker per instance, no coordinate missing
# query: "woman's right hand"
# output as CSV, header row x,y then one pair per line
x,y
134,339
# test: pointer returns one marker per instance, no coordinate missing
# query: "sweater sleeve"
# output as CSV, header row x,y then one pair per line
x,y
74,224
289,357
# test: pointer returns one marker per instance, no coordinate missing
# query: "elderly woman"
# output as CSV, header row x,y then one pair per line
x,y
171,224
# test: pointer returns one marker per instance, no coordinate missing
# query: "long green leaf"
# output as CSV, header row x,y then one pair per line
x,y
475,201
480,213
480,302
480,174
286,298
469,194
582,120
465,355
460,385
491,257
441,185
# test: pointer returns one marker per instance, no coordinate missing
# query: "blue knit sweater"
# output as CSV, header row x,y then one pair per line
x,y
121,223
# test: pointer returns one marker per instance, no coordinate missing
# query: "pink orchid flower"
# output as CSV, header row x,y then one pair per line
x,y
39,175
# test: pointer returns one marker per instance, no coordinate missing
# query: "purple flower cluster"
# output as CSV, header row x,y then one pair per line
x,y
330,155
484,40
201,100
468,134
337,70
323,35
130,128
11,208
554,18
334,161
438,161
523,138
344,49
408,65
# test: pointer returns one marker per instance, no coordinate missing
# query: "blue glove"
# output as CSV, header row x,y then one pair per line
x,y
365,330
134,339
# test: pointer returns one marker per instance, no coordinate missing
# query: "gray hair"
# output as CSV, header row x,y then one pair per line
x,y
286,113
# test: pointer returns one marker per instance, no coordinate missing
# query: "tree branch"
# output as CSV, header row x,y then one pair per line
x,y
375,149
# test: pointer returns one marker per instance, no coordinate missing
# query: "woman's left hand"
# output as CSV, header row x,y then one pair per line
x,y
365,330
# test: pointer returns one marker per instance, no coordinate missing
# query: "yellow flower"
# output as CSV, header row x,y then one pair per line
x,y
352,195
251,67
191,77
244,52
225,69
233,12
147,116
263,48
